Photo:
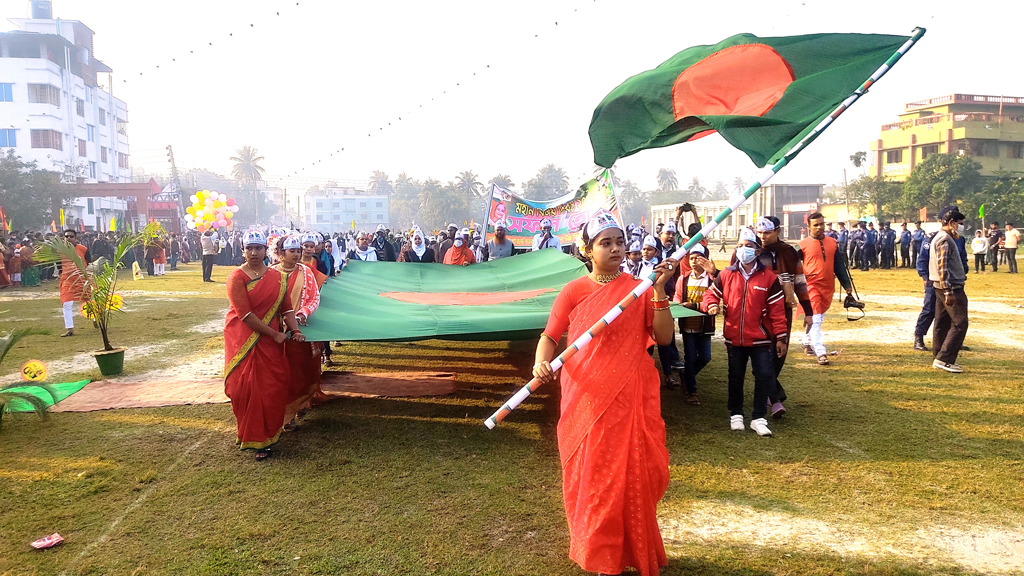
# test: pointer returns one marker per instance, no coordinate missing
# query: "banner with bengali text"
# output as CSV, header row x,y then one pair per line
x,y
568,213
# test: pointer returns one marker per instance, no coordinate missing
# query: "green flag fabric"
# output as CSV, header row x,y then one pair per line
x,y
62,391
763,95
981,211
506,299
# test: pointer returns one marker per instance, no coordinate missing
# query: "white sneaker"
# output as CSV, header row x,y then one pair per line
x,y
761,427
736,422
955,368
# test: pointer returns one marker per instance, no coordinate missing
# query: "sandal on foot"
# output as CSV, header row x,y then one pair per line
x,y
263,454
291,426
692,400
823,360
68,333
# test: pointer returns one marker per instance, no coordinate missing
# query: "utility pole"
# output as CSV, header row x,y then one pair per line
x,y
177,185
846,195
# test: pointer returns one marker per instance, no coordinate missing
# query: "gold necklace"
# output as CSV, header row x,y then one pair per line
x,y
258,274
606,278
283,269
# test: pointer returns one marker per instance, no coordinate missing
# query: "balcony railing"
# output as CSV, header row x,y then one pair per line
x,y
964,99
938,118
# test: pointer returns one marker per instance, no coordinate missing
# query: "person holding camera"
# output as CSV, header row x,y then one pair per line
x,y
823,262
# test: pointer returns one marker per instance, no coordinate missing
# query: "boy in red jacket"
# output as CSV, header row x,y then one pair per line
x,y
753,302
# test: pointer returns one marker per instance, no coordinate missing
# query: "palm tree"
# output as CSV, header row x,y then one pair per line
x,y
721,192
380,184
467,185
550,182
667,181
739,185
504,181
696,190
247,170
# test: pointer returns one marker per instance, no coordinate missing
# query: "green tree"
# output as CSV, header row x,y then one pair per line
x,y
550,182
633,203
248,172
941,180
1003,197
721,192
858,159
696,190
738,185
881,196
503,180
31,197
404,204
667,181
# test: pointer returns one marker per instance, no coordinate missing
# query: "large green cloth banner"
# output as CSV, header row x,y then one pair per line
x,y
507,299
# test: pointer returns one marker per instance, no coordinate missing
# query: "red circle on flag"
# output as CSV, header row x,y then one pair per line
x,y
742,80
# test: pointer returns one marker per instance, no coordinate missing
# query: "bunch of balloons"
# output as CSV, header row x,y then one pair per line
x,y
210,210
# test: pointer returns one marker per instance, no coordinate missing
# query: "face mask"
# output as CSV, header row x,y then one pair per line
x,y
458,243
746,254
960,229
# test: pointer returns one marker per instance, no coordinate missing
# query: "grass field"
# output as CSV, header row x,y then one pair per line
x,y
883,466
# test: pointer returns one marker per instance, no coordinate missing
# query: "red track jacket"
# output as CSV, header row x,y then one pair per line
x,y
754,308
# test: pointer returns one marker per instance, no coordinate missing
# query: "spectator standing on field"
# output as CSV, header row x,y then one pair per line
x,y
948,274
1010,242
209,247
994,237
979,247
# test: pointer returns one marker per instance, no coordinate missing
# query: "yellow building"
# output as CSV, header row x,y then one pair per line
x,y
989,129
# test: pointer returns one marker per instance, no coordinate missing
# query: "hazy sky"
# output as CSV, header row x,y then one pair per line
x,y
322,75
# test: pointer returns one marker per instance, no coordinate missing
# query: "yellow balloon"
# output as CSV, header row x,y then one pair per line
x,y
228,215
191,210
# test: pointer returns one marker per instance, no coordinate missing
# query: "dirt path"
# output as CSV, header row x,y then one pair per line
x,y
984,549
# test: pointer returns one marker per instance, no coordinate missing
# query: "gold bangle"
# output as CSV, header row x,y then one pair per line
x,y
665,299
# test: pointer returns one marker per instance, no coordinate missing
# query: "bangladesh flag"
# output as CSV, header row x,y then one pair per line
x,y
763,95
506,299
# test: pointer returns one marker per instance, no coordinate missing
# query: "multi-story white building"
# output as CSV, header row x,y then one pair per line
x,y
341,209
52,107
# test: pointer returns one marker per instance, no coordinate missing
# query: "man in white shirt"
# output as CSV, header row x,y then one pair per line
x,y
1010,242
545,239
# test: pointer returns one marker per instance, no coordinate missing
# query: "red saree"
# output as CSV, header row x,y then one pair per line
x,y
303,357
256,372
611,438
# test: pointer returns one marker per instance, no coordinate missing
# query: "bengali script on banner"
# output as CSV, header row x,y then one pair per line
x,y
568,213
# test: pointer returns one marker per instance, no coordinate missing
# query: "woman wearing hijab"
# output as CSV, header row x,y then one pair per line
x,y
611,437
256,369
417,250
304,296
363,250
460,254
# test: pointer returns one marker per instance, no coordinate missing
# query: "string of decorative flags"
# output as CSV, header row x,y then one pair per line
x,y
398,118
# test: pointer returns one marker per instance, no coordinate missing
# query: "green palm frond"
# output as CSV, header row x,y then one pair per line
x,y
39,405
11,338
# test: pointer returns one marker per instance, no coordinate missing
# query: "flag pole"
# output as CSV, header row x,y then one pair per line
x,y
708,227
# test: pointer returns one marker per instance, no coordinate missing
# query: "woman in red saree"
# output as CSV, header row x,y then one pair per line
x,y
256,369
304,297
611,438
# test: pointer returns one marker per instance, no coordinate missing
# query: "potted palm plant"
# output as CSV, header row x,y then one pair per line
x,y
99,294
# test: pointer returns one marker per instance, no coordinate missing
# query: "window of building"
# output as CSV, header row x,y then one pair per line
x,y
928,150
81,147
80,107
336,205
90,132
122,160
337,217
103,117
362,204
1013,149
728,221
103,154
88,91
319,217
743,220
380,204
983,148
44,94
90,207
319,204
7,138
47,139
380,217
6,92
891,157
